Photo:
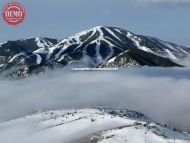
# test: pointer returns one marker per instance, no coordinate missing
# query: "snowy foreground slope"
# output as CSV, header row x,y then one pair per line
x,y
88,126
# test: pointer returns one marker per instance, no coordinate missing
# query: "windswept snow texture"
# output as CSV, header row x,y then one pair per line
x,y
88,126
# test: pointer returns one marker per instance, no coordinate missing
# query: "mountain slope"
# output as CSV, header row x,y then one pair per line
x,y
136,57
95,48
9,49
104,125
102,43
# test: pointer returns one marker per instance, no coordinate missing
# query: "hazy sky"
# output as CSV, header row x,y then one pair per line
x,y
165,19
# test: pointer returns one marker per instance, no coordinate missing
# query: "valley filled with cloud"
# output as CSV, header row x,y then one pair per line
x,y
161,94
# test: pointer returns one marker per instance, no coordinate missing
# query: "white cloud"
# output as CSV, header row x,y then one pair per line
x,y
162,94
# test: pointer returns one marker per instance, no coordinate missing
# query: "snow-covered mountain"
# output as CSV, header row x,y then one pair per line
x,y
98,47
10,49
102,125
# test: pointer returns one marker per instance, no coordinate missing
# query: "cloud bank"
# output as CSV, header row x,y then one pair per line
x,y
162,94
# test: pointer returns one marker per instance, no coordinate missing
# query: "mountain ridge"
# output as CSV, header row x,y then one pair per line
x,y
99,45
90,125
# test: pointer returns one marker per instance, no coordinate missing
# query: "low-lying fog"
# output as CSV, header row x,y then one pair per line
x,y
162,94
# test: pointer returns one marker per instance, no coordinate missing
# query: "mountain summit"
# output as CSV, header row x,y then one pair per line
x,y
97,47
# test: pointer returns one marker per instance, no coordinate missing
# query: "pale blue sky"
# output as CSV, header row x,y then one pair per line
x,y
61,18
